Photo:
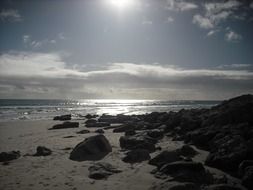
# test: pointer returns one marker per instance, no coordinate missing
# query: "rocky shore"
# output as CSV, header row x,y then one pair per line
x,y
213,148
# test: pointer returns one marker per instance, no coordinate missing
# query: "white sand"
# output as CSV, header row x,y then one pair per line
x,y
57,171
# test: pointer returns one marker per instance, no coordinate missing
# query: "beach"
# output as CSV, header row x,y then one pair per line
x,y
150,134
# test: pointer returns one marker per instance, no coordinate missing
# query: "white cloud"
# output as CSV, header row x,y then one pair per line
x,y
10,15
180,5
170,19
232,36
29,42
212,32
202,22
47,74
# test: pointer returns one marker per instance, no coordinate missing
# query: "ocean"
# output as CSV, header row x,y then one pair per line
x,y
11,109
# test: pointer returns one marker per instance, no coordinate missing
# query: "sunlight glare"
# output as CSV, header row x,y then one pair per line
x,y
121,4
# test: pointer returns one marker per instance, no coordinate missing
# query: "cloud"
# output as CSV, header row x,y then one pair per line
x,y
41,75
232,36
234,66
170,19
212,32
29,42
180,5
147,22
202,22
10,15
216,13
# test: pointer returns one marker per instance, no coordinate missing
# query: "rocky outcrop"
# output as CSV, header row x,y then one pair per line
x,y
65,125
92,148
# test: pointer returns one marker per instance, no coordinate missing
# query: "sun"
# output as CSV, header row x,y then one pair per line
x,y
121,4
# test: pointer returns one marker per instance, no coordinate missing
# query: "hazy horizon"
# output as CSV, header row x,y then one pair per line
x,y
126,49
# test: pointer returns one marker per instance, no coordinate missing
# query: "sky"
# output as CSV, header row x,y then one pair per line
x,y
126,49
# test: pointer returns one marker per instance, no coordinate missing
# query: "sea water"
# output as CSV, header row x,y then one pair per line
x,y
13,109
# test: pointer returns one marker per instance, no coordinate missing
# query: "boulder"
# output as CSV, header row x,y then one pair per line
x,y
89,116
187,151
186,172
222,187
247,180
124,128
65,125
138,141
137,155
100,131
102,170
63,117
176,186
92,148
243,166
165,157
84,131
155,133
97,124
8,156
42,151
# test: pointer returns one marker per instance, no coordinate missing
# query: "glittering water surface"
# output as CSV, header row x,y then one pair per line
x,y
47,109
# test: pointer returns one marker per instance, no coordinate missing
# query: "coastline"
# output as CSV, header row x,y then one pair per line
x,y
57,171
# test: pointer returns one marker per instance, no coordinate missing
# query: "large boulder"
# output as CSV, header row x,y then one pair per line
x,y
42,151
102,170
222,187
8,156
247,179
137,155
165,157
65,125
187,151
92,148
138,141
186,172
63,117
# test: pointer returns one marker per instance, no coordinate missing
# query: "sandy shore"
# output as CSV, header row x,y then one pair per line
x,y
57,171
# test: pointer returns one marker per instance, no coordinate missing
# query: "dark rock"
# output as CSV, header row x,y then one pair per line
x,y
70,136
165,157
222,187
137,155
130,133
228,152
92,148
43,151
65,125
100,131
85,131
90,121
63,117
243,166
8,156
102,170
89,116
187,151
247,179
186,172
124,128
155,133
138,141
97,124
176,186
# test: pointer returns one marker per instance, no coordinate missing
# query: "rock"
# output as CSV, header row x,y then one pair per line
x,y
227,153
8,156
102,170
138,141
100,131
137,155
243,166
123,128
92,148
89,116
187,151
222,187
97,124
175,186
247,180
69,136
186,172
43,151
84,131
165,157
63,117
130,133
155,133
91,121
65,125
